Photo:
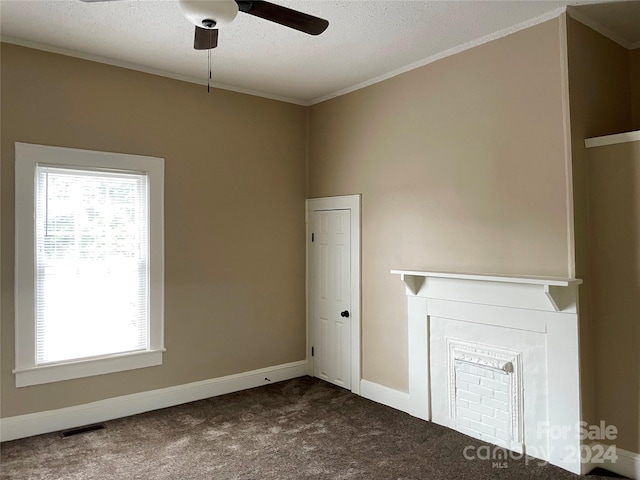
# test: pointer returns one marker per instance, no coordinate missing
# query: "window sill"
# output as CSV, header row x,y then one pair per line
x,y
86,368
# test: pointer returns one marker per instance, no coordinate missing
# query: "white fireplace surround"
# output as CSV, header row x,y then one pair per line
x,y
517,333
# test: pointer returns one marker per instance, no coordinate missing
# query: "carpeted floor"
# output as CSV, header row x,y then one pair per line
x,y
299,429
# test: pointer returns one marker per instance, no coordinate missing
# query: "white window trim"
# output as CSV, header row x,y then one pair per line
x,y
27,157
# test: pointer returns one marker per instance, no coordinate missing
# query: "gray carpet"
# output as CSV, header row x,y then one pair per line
x,y
299,429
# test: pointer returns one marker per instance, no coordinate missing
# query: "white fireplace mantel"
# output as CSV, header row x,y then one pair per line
x,y
549,289
449,309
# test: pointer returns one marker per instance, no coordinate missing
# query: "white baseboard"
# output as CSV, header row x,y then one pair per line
x,y
385,395
22,426
627,464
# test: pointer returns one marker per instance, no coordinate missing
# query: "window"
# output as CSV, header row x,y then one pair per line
x,y
89,263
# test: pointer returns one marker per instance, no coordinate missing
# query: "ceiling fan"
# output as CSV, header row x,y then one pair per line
x,y
209,15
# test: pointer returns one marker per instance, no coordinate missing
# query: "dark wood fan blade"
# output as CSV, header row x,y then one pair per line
x,y
284,16
205,38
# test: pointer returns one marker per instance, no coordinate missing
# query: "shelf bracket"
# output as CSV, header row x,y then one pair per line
x,y
549,292
413,282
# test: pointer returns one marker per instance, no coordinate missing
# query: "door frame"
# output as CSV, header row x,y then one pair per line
x,y
344,202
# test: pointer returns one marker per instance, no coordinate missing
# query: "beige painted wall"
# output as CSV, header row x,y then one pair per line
x,y
234,222
614,228
461,166
634,65
600,94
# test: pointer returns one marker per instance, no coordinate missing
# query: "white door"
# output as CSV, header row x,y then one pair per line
x,y
331,290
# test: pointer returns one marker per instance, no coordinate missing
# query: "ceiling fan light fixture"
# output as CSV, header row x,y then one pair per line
x,y
209,13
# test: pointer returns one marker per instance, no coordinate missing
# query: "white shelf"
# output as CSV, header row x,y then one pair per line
x,y
551,288
612,139
552,281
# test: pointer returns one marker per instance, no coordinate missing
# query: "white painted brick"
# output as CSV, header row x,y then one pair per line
x,y
468,431
492,402
491,439
487,372
477,407
494,385
501,415
501,397
498,424
474,370
503,435
481,428
485,392
462,385
460,379
461,421
473,379
470,396
466,413
461,402
506,379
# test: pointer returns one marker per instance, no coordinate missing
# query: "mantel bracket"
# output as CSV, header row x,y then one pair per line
x,y
413,282
551,293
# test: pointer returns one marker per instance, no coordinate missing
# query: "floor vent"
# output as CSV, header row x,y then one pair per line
x,y
84,429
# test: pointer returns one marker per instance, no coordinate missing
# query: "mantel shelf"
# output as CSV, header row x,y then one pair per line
x,y
550,286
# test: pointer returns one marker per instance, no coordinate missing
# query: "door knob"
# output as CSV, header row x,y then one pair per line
x,y
345,314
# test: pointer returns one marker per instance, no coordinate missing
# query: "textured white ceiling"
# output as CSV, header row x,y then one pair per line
x,y
366,40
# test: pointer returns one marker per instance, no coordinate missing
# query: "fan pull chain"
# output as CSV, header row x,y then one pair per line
x,y
46,205
209,79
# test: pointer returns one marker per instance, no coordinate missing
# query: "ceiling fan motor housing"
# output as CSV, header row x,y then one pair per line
x,y
209,13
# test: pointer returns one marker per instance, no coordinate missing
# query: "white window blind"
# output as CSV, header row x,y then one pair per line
x,y
92,263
